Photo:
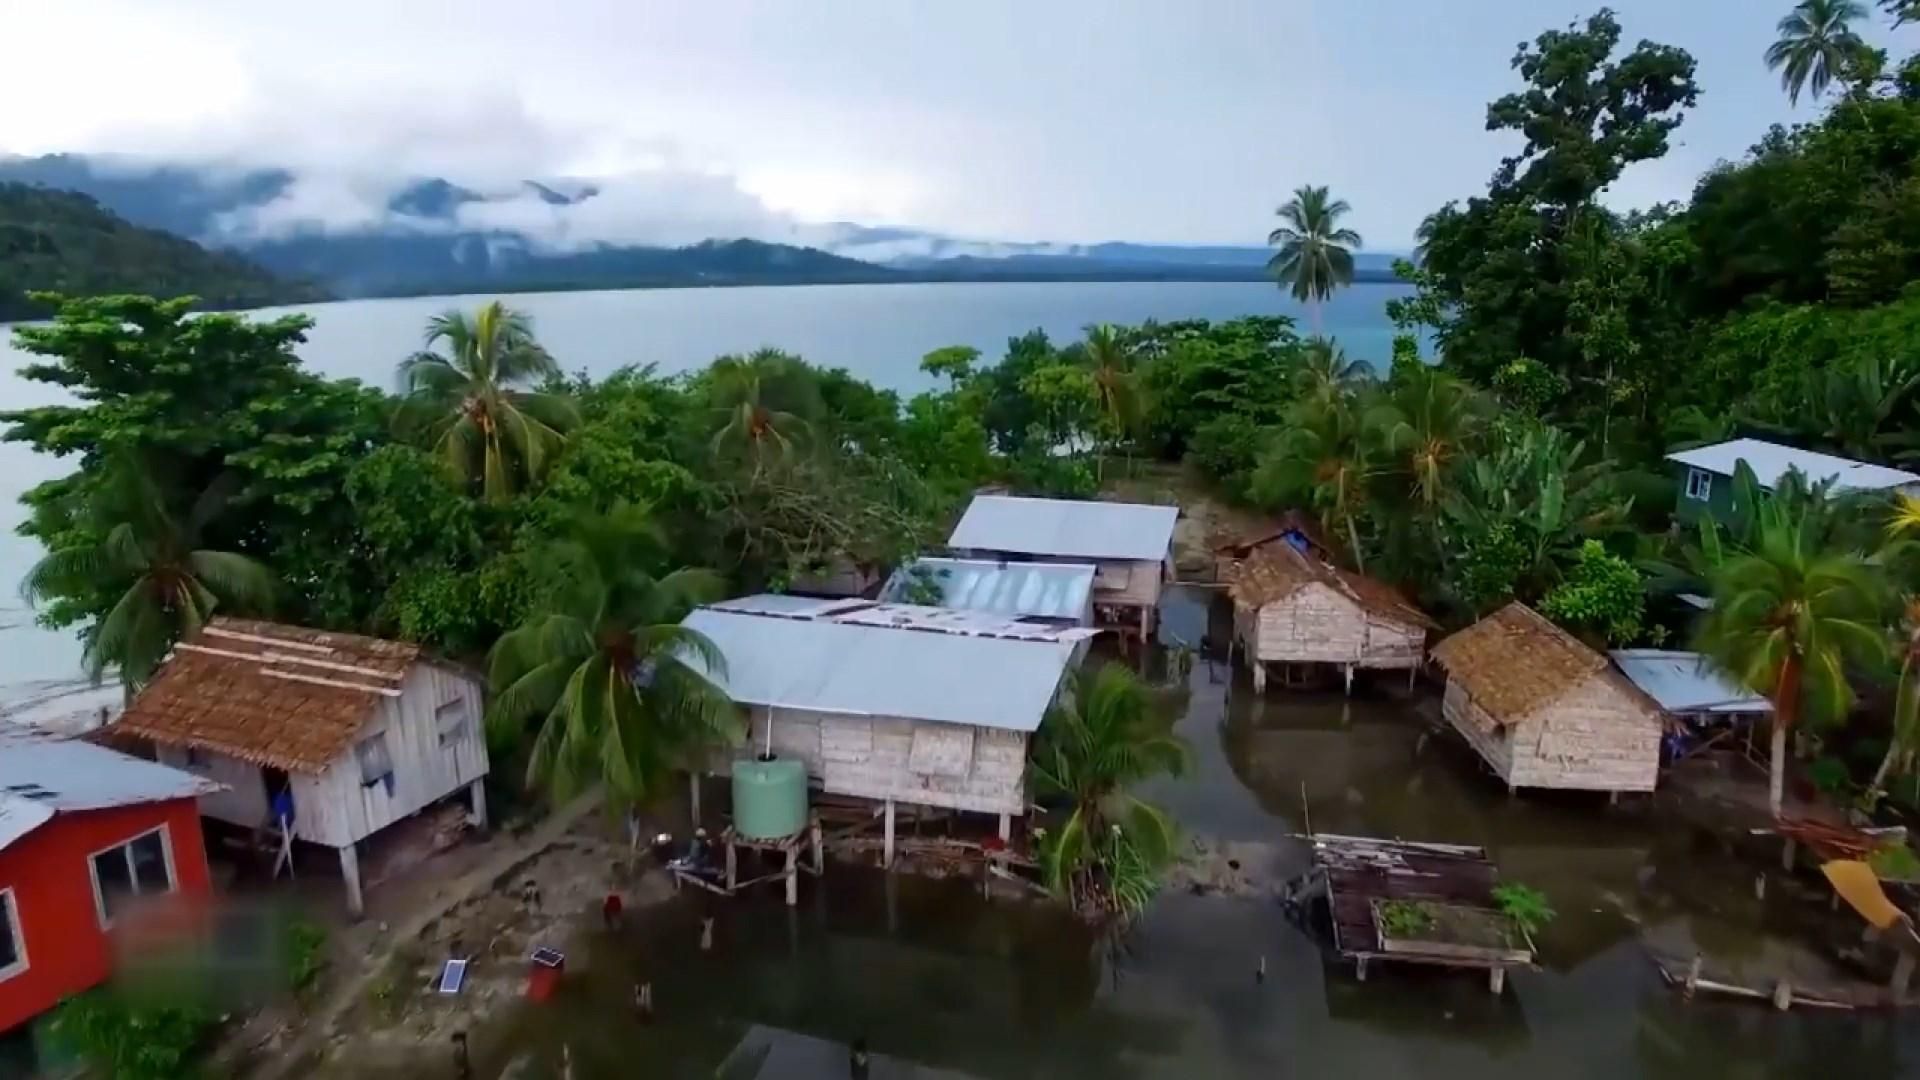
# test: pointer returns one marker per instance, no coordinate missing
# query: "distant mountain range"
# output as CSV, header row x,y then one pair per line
x,y
434,236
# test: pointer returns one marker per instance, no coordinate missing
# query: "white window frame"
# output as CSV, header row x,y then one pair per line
x,y
1699,484
10,915
126,845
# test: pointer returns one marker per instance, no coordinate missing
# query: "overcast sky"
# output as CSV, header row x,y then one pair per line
x,y
1169,121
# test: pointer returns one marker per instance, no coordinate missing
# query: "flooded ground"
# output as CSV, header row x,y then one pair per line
x,y
940,983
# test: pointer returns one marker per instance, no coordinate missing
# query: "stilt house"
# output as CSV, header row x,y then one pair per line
x,y
1040,593
351,734
1289,607
1129,544
892,702
1545,710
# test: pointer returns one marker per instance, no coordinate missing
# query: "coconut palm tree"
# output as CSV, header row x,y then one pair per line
x,y
1116,389
763,405
1790,618
621,690
1816,42
1316,255
1099,741
1428,421
168,584
474,405
1324,457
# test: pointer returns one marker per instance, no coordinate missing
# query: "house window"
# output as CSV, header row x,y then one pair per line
x,y
451,722
143,866
13,941
376,764
1699,484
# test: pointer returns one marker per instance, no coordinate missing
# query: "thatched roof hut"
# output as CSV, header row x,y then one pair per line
x,y
1290,607
1545,710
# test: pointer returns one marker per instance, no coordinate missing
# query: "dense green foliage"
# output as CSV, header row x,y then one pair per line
x,y
60,241
130,1038
1100,740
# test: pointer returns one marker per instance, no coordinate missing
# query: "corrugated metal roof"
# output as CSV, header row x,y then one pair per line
x,y
41,776
1067,527
1684,682
909,670
1770,462
1049,590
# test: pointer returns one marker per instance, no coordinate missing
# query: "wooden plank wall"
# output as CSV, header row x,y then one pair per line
x,y
244,803
1598,737
1143,583
1319,625
965,768
1489,739
336,809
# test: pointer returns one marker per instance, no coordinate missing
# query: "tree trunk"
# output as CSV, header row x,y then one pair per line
x,y
1786,707
1353,535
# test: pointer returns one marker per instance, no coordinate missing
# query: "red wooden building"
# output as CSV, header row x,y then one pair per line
x,y
88,836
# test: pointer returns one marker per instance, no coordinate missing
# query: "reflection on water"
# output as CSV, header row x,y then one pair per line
x,y
940,983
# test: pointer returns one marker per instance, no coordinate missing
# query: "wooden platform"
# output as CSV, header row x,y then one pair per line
x,y
1360,874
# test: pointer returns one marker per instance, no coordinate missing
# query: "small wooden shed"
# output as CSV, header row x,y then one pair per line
x,y
1130,546
893,702
1546,711
1290,607
358,732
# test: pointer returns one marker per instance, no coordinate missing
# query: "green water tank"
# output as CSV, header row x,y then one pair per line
x,y
769,798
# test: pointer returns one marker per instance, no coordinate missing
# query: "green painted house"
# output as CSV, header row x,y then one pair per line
x,y
1704,474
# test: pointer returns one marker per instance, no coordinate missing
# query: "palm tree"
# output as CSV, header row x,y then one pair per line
x,y
1427,423
1789,617
1816,42
169,585
474,406
1315,256
1325,458
621,690
1325,373
1100,740
763,404
1116,390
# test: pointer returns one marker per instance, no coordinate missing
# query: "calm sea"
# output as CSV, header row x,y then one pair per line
x,y
878,332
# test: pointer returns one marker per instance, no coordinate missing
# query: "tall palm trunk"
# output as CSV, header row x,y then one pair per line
x,y
1896,740
1353,537
1786,709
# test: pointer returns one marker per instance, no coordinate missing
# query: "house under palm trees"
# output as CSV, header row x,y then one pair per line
x,y
1705,474
893,703
1293,609
348,734
1130,546
1546,711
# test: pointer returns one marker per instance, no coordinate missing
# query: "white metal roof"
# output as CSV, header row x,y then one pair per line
x,y
41,776
1049,590
1770,462
1066,527
911,670
1686,682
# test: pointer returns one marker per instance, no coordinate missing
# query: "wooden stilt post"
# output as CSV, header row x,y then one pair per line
x,y
1349,680
350,874
1006,828
887,851
793,873
1259,676
819,847
477,795
1786,855
733,864
1413,670
1496,979
1360,969
1613,797
1902,974
693,794
1783,995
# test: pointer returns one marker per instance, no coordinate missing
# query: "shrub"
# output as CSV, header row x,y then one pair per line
x,y
127,1039
1525,905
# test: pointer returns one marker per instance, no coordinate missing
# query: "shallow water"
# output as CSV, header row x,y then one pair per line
x,y
943,984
